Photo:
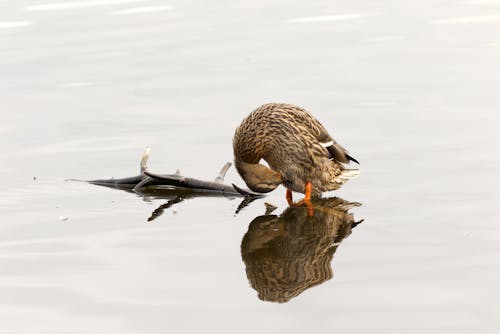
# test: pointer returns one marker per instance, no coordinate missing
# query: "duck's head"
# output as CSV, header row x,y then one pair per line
x,y
259,178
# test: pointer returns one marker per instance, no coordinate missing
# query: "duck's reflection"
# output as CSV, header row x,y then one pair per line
x,y
287,254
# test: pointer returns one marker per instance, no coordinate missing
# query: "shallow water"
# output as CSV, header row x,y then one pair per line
x,y
410,89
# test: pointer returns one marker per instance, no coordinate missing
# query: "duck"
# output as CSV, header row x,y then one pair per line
x,y
299,152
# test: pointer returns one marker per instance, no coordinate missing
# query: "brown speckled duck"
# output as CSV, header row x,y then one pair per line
x,y
301,154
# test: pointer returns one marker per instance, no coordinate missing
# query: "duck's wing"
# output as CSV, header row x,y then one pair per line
x,y
336,151
304,120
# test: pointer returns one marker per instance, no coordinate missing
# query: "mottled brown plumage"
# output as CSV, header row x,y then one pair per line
x,y
296,146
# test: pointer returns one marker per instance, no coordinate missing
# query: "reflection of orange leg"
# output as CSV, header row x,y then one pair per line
x,y
310,208
289,197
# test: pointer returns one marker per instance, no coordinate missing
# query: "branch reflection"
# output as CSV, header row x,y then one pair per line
x,y
287,254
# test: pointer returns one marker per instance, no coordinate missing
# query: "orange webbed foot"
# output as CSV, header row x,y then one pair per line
x,y
309,206
305,202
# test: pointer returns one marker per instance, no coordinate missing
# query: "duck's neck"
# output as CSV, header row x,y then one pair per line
x,y
251,170
246,169
258,177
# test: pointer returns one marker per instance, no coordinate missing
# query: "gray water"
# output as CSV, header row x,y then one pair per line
x,y
410,88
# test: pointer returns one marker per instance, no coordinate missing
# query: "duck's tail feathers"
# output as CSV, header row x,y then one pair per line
x,y
349,173
340,177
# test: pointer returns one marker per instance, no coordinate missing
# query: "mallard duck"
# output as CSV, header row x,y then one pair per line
x,y
299,151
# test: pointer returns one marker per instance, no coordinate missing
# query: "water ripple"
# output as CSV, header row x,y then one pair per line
x,y
140,10
76,84
78,4
382,39
480,2
467,19
14,24
337,17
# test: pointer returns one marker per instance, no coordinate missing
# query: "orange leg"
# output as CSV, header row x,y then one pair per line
x,y
289,197
308,192
307,199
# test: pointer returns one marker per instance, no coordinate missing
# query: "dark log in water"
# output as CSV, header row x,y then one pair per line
x,y
147,179
175,187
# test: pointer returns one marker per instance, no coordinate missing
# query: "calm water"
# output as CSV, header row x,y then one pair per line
x,y
411,89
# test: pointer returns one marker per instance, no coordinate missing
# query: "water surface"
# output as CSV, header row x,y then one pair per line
x,y
410,89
